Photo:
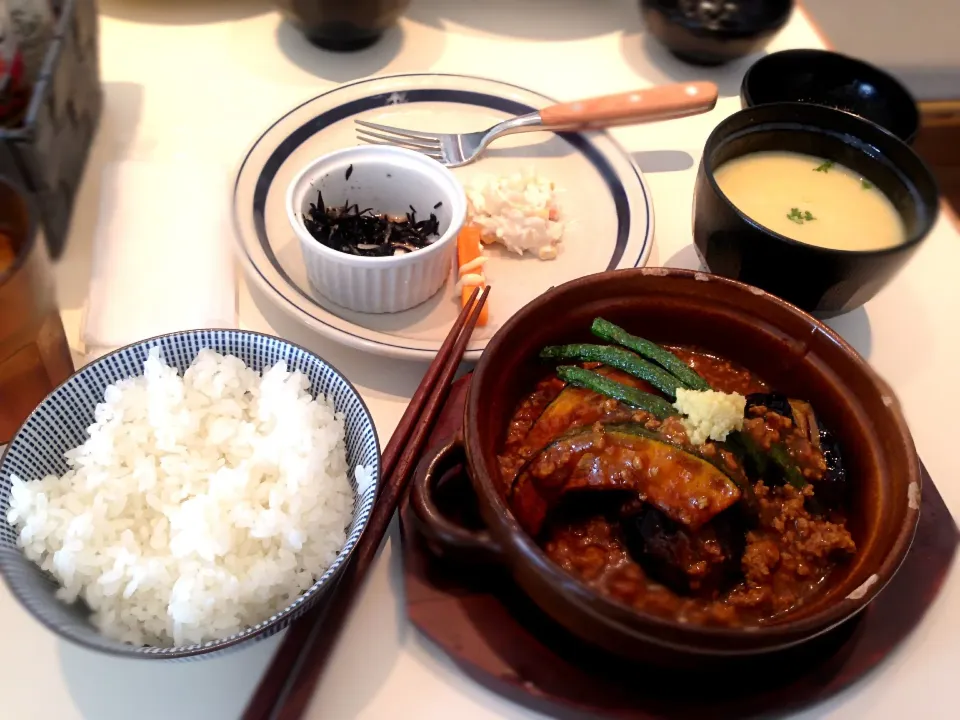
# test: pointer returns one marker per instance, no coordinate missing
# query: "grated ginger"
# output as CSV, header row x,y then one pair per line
x,y
709,414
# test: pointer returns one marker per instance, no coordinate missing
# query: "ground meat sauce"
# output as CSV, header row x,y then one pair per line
x,y
721,374
747,575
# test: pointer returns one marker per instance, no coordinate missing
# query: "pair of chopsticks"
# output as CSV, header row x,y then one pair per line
x,y
289,682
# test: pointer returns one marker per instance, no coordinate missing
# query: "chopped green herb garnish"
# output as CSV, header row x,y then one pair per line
x,y
866,184
799,216
824,167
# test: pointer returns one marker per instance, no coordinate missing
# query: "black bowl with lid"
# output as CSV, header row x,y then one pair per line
x,y
820,280
833,80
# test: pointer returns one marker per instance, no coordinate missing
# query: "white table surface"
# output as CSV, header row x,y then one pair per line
x,y
204,77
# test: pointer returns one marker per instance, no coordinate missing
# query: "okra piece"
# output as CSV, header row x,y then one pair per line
x,y
618,358
651,351
618,391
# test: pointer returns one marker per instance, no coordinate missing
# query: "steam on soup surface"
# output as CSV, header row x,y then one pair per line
x,y
811,200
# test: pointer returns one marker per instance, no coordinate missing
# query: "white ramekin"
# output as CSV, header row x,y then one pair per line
x,y
388,180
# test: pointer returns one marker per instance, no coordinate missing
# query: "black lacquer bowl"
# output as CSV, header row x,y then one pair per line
x,y
713,33
822,281
827,78
343,25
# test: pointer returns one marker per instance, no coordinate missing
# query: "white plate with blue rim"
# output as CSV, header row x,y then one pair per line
x,y
604,201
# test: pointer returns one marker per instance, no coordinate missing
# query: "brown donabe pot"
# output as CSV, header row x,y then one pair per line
x,y
786,347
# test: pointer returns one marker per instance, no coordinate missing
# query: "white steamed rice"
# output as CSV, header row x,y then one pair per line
x,y
200,505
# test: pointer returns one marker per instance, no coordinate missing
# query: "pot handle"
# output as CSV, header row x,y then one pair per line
x,y
445,537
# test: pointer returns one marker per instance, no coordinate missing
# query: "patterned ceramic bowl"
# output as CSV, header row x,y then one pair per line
x,y
59,423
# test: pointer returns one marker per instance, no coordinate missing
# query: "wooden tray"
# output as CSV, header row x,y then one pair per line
x,y
499,638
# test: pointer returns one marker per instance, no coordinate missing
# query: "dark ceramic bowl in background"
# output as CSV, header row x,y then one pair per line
x,y
713,33
343,25
819,280
789,349
827,78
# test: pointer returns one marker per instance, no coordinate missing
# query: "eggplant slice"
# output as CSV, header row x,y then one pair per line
x,y
774,402
832,490
702,563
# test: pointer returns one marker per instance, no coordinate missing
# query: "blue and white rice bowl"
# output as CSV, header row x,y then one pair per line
x,y
60,424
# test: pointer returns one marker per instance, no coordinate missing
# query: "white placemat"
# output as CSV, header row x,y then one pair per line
x,y
162,258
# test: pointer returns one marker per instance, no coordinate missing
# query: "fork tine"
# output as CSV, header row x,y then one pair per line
x,y
398,131
362,134
435,154
432,151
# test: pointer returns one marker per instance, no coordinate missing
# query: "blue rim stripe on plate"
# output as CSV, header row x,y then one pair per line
x,y
299,136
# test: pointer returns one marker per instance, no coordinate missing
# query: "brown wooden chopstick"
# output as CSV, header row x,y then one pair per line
x,y
289,682
401,436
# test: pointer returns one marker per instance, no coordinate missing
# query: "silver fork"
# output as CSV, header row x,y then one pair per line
x,y
452,150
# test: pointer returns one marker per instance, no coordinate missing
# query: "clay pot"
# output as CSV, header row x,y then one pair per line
x,y
791,350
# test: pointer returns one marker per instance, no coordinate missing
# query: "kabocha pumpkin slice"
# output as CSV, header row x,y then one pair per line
x,y
579,406
621,457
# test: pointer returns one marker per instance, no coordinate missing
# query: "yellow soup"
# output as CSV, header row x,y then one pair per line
x,y
811,200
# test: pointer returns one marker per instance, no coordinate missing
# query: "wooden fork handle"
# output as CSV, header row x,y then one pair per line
x,y
656,103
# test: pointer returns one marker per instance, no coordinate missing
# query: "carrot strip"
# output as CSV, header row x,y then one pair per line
x,y
468,244
468,250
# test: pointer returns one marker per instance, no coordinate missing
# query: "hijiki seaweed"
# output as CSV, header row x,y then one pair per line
x,y
363,232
